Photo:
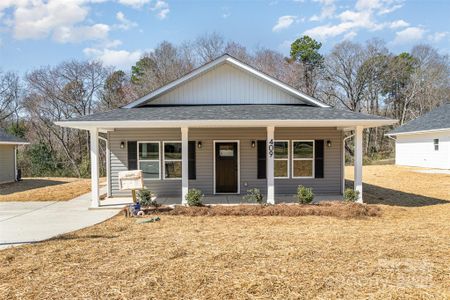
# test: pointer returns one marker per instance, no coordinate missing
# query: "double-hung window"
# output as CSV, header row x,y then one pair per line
x,y
436,144
281,159
149,159
172,160
302,159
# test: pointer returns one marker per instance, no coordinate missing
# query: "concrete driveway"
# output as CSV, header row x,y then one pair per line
x,y
26,222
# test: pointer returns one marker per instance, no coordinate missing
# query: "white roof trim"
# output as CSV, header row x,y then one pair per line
x,y
225,59
223,123
419,131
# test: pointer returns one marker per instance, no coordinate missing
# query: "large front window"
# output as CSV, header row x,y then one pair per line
x,y
172,160
302,159
149,160
281,159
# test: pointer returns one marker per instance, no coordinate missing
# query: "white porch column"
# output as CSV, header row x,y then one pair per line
x,y
184,164
108,169
95,193
270,165
358,159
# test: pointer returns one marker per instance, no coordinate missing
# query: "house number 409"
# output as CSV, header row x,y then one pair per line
x,y
271,148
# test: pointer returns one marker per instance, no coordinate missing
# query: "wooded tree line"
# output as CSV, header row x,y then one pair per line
x,y
359,77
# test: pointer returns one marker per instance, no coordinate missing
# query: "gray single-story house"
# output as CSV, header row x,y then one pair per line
x,y
8,156
224,128
425,141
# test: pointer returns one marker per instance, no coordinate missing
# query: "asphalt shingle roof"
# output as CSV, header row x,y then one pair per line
x,y
439,118
6,137
227,112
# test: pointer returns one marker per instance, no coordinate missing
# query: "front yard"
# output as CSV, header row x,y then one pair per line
x,y
403,253
45,189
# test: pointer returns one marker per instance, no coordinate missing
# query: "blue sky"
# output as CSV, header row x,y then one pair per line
x,y
34,33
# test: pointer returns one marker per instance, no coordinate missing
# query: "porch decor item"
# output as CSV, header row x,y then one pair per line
x,y
131,180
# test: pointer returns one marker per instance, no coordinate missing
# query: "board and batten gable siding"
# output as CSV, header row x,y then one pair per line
x,y
7,163
330,184
226,84
418,150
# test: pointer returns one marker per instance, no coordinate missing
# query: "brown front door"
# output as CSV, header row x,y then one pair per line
x,y
226,167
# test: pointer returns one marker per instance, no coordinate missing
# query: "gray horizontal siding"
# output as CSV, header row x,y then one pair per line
x,y
248,156
330,184
119,158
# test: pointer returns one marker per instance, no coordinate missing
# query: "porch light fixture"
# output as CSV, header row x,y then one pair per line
x,y
199,144
328,143
122,144
253,144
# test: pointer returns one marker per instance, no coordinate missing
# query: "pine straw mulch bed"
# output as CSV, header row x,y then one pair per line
x,y
330,209
401,254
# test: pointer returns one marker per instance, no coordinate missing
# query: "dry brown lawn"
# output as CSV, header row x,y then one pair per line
x,y
404,253
45,189
402,186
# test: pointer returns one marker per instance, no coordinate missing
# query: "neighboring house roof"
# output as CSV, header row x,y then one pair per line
x,y
6,138
226,59
436,120
215,114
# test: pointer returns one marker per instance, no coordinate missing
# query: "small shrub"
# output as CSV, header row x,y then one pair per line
x,y
304,195
350,195
145,198
194,197
254,195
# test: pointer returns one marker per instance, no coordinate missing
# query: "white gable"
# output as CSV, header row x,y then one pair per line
x,y
225,84
225,81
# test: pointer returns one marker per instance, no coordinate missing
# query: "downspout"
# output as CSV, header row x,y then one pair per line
x,y
343,161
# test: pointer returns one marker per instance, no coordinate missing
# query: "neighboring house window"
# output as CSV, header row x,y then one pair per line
x,y
281,159
172,160
436,144
149,160
302,159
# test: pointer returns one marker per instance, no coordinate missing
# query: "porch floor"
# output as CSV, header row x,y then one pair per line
x,y
214,200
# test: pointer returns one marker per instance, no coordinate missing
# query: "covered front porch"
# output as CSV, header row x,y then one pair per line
x,y
273,188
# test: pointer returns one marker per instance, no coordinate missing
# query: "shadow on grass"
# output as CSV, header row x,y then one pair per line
x,y
26,185
68,237
379,195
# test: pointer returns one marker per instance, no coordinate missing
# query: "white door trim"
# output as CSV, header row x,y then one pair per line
x,y
238,165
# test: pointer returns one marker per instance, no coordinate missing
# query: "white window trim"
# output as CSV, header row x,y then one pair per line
x,y
159,159
287,159
311,159
164,160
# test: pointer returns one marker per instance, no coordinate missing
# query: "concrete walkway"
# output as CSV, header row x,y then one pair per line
x,y
27,222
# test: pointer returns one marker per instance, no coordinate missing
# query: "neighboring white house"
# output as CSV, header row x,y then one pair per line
x,y
225,128
8,161
425,141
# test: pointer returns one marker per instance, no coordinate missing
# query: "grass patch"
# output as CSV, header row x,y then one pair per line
x,y
45,189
